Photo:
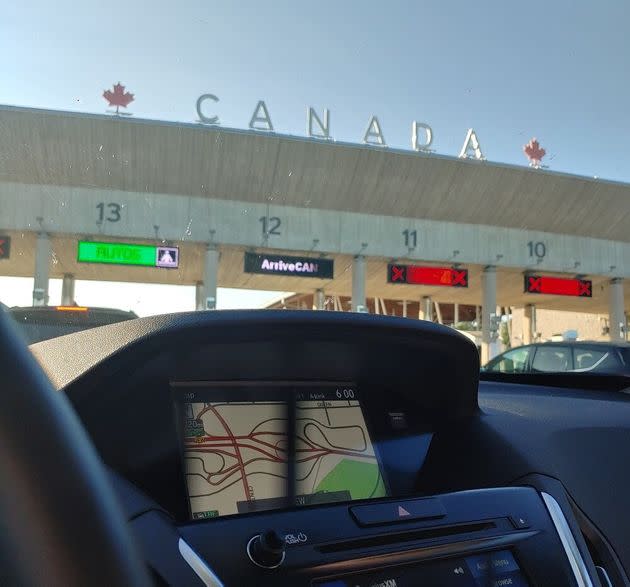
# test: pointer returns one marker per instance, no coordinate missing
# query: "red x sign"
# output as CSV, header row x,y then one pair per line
x,y
427,275
396,274
459,278
534,285
584,288
558,286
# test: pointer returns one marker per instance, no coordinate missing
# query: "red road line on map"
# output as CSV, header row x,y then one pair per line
x,y
236,450
323,450
213,450
211,437
275,448
209,448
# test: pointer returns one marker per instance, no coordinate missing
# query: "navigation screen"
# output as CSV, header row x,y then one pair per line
x,y
236,449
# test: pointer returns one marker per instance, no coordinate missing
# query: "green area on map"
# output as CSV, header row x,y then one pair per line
x,y
362,480
116,253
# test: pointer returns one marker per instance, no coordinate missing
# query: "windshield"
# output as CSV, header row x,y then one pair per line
x,y
463,163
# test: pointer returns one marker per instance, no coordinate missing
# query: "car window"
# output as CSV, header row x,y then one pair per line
x,y
602,360
589,358
223,167
625,356
35,331
552,359
514,361
40,324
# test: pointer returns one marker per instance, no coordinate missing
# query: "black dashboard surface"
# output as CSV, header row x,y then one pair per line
x,y
125,393
472,434
581,438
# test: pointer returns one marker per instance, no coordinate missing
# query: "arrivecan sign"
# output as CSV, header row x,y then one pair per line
x,y
286,265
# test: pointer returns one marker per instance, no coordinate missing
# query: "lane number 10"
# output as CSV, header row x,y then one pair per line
x,y
537,249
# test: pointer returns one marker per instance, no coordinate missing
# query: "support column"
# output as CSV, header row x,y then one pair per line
x,y
319,300
529,324
358,284
404,308
616,314
207,291
438,312
455,315
67,290
42,270
488,313
199,301
426,309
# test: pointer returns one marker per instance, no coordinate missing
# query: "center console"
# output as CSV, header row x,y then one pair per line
x,y
494,537
313,462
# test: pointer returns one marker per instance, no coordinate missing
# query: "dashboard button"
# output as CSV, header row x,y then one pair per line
x,y
267,550
449,573
453,573
294,537
520,522
398,511
492,564
507,580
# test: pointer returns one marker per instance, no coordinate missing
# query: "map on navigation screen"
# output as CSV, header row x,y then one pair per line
x,y
236,449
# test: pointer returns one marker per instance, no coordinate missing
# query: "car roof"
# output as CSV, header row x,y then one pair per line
x,y
35,311
583,343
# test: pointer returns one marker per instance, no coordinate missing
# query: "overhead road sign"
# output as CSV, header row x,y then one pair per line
x,y
288,265
420,275
128,254
558,286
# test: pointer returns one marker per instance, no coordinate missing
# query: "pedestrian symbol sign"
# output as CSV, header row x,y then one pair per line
x,y
167,257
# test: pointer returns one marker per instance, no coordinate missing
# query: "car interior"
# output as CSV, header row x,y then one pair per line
x,y
303,448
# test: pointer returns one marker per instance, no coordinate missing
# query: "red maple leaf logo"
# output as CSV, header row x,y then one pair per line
x,y
534,152
118,97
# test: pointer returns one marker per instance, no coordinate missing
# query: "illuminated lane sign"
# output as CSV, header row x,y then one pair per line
x,y
128,254
418,275
292,266
558,286
5,247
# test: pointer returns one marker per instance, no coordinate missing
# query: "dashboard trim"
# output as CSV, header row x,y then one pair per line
x,y
423,553
603,576
197,564
568,541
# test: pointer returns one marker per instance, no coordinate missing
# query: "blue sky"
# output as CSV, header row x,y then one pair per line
x,y
511,70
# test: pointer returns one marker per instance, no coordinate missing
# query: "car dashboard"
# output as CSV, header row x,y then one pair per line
x,y
330,449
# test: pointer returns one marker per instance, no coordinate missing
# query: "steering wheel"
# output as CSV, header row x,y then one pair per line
x,y
60,523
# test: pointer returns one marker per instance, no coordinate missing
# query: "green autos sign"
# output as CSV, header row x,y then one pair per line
x,y
128,254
